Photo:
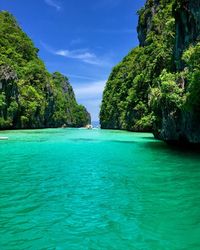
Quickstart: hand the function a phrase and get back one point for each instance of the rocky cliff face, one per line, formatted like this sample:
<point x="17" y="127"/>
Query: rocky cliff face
<point x="157" y="86"/>
<point x="125" y="102"/>
<point x="187" y="16"/>
<point x="31" y="97"/>
<point x="145" y="24"/>
<point x="9" y="98"/>
<point x="181" y="124"/>
<point x="66" y="112"/>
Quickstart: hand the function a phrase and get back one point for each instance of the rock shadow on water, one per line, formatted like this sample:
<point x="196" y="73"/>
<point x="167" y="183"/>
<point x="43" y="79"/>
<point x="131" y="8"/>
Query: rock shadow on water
<point x="185" y="150"/>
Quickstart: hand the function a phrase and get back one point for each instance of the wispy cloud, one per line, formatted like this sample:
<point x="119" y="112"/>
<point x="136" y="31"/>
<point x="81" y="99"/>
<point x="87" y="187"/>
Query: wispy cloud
<point x="81" y="77"/>
<point x="83" y="55"/>
<point x="53" y="4"/>
<point x="92" y="90"/>
<point x="90" y="95"/>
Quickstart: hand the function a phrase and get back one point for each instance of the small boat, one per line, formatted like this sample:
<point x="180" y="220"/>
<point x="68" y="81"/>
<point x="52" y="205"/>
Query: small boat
<point x="89" y="126"/>
<point x="64" y="126"/>
<point x="3" y="138"/>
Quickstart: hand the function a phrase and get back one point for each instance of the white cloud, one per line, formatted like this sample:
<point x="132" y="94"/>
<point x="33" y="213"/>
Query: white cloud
<point x="93" y="106"/>
<point x="83" y="55"/>
<point x="53" y="4"/>
<point x="93" y="90"/>
<point x="90" y="95"/>
<point x="80" y="77"/>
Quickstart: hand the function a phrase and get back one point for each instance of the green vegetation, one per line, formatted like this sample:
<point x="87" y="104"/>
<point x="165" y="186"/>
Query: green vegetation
<point x="156" y="86"/>
<point x="192" y="59"/>
<point x="125" y="102"/>
<point x="30" y="97"/>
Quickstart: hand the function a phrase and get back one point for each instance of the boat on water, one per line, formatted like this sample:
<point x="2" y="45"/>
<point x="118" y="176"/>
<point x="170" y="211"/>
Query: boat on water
<point x="89" y="126"/>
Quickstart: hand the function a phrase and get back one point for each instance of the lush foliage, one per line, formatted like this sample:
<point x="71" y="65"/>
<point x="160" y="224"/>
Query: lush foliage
<point x="125" y="102"/>
<point x="192" y="59"/>
<point x="179" y="92"/>
<point x="156" y="87"/>
<point x="30" y="97"/>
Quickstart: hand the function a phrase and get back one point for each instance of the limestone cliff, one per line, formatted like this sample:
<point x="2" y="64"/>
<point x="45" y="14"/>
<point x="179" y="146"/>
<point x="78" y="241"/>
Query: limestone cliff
<point x="125" y="102"/>
<point x="187" y="16"/>
<point x="181" y="123"/>
<point x="31" y="97"/>
<point x="157" y="86"/>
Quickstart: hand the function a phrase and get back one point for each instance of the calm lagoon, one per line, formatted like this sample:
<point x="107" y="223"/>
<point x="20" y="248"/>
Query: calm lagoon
<point x="96" y="190"/>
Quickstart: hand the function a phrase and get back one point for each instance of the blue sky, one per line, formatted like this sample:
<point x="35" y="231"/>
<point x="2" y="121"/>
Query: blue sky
<point x="82" y="39"/>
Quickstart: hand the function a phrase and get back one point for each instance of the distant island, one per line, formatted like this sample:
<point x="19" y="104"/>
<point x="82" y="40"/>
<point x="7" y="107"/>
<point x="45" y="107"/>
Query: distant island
<point x="156" y="87"/>
<point x="31" y="97"/>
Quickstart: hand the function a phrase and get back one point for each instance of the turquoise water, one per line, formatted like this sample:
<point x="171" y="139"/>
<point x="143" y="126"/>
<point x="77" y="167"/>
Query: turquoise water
<point x="96" y="190"/>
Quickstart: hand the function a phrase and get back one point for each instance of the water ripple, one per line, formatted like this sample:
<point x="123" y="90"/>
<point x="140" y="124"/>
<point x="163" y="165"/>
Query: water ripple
<point x="79" y="189"/>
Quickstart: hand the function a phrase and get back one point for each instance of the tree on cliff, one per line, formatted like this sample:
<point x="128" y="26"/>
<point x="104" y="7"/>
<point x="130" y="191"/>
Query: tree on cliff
<point x="31" y="97"/>
<point x="156" y="87"/>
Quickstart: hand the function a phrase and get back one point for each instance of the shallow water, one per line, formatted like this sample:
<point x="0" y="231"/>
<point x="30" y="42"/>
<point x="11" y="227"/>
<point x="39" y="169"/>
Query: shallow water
<point x="99" y="190"/>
